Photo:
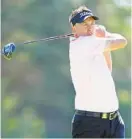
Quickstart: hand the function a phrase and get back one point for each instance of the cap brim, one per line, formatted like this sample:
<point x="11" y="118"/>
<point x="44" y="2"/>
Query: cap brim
<point x="94" y="17"/>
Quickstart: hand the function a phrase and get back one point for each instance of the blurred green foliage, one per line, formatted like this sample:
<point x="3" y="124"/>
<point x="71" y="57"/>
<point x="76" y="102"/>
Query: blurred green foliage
<point x="37" y="92"/>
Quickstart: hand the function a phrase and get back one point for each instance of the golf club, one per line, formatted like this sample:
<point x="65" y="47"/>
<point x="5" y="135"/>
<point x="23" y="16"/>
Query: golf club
<point x="9" y="48"/>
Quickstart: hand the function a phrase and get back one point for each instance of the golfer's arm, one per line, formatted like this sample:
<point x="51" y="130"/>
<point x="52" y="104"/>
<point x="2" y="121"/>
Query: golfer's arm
<point x="115" y="42"/>
<point x="108" y="59"/>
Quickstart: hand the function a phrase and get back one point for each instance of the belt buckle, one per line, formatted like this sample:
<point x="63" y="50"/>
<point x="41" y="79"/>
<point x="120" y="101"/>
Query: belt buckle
<point x="104" y="116"/>
<point x="112" y="117"/>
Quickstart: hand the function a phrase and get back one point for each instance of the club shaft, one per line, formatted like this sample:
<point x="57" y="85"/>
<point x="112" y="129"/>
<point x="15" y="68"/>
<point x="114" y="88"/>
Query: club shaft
<point x="49" y="38"/>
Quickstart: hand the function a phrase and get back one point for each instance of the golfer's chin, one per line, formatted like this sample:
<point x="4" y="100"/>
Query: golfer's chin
<point x="86" y="34"/>
<point x="89" y="32"/>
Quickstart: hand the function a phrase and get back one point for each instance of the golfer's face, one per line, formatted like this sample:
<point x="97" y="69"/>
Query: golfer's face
<point x="86" y="27"/>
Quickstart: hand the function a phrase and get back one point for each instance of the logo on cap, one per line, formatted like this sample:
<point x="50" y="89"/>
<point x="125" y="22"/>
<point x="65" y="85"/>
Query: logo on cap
<point x="84" y="14"/>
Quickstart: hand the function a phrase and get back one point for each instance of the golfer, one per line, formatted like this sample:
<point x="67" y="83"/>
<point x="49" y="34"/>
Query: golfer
<point x="96" y="103"/>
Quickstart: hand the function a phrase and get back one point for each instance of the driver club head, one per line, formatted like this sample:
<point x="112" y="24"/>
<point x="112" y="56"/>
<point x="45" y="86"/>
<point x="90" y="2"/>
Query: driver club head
<point x="8" y="50"/>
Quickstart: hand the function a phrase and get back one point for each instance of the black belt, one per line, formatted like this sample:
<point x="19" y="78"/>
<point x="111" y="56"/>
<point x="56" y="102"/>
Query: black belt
<point x="110" y="116"/>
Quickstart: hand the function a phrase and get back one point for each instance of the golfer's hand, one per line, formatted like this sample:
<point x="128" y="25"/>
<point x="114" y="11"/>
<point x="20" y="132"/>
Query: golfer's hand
<point x="100" y="31"/>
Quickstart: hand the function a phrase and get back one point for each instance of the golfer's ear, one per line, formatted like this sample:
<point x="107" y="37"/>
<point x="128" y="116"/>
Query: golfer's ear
<point x="73" y="28"/>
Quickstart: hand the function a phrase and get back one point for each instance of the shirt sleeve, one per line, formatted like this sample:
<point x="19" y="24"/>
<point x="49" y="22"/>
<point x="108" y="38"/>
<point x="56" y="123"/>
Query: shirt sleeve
<point x="105" y="43"/>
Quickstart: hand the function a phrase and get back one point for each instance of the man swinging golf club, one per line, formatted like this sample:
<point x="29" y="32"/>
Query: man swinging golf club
<point x="96" y="102"/>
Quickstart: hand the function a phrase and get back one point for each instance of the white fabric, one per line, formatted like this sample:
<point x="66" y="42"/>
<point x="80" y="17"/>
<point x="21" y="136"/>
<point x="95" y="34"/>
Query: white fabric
<point x="92" y="80"/>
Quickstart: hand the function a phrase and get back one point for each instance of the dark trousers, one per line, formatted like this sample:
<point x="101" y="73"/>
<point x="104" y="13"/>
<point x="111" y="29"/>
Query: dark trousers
<point x="96" y="127"/>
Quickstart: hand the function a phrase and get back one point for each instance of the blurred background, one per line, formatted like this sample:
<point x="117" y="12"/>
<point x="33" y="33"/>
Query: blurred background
<point x="37" y="91"/>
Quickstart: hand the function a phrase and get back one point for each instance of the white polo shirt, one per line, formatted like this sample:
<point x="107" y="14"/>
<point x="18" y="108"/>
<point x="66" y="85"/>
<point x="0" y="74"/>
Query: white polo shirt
<point x="92" y="80"/>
